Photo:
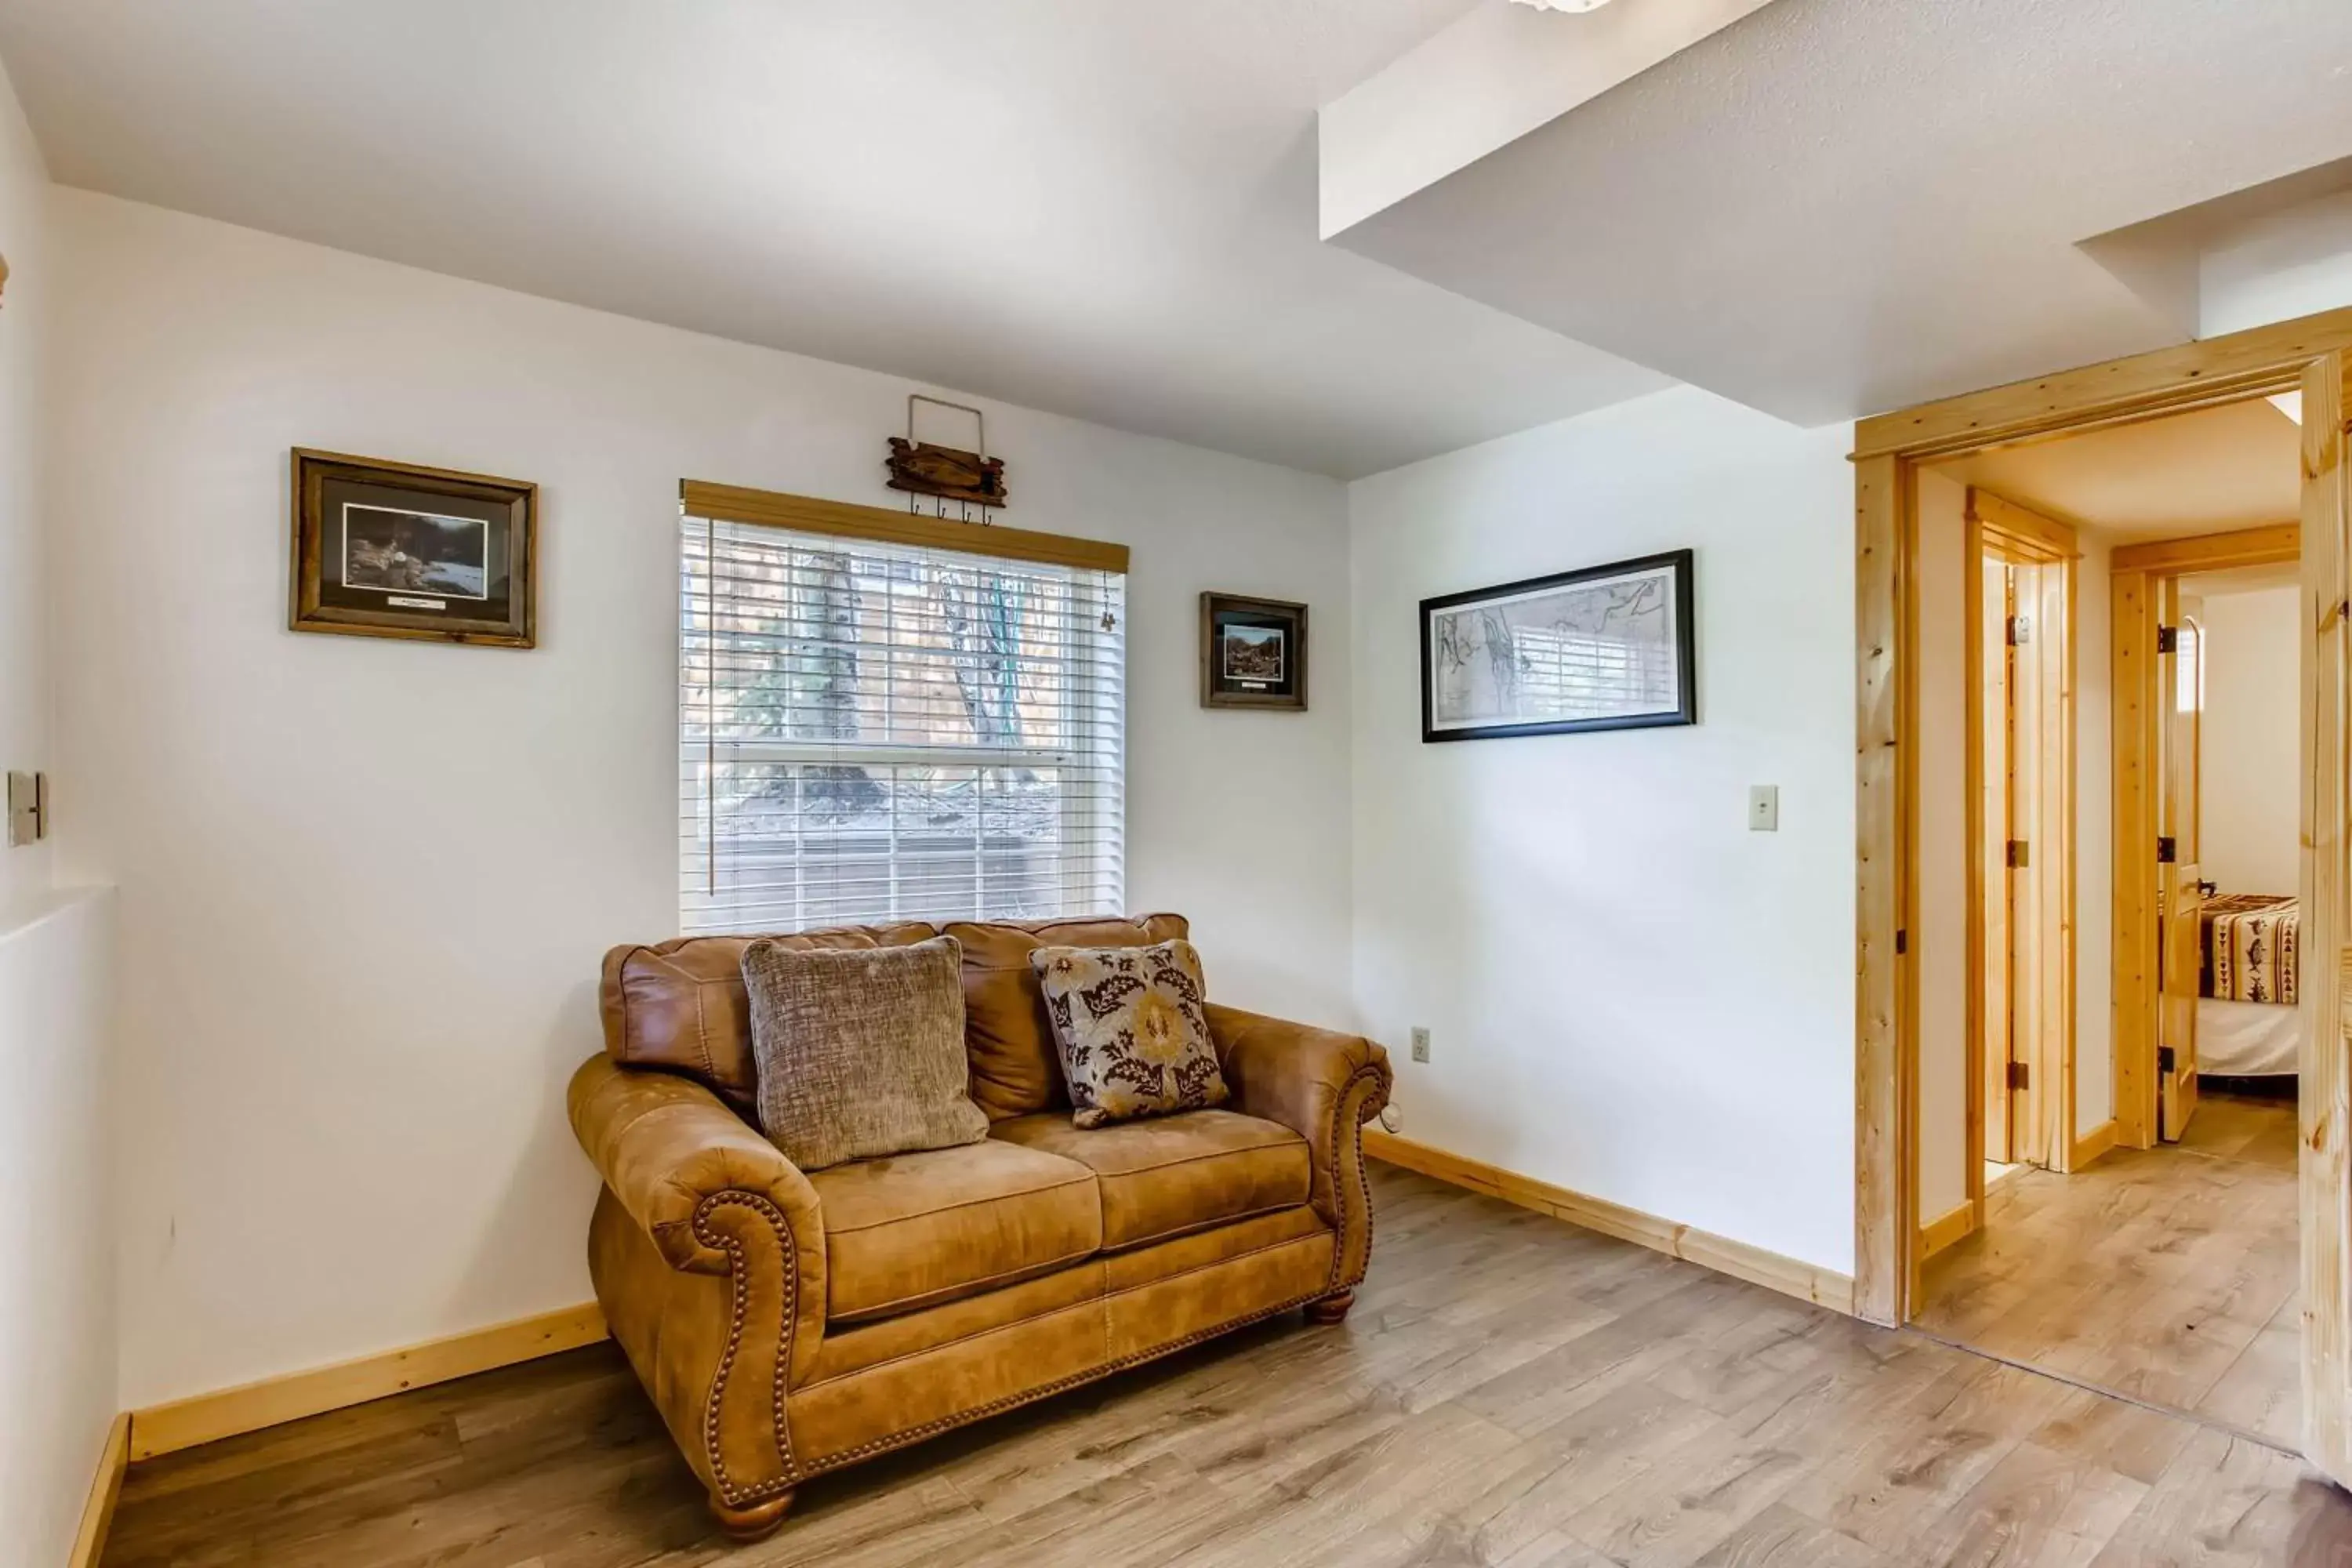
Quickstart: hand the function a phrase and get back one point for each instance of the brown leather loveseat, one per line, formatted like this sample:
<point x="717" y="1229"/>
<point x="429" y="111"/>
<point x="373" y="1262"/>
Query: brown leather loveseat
<point x="788" y="1324"/>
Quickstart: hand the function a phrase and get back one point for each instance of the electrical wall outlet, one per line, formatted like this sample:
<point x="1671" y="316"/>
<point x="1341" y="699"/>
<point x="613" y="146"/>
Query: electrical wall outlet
<point x="1420" y="1043"/>
<point x="1763" y="808"/>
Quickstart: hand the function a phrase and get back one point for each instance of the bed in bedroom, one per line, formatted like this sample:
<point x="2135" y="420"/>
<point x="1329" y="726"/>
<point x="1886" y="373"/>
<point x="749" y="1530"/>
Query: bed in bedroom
<point x="2246" y="986"/>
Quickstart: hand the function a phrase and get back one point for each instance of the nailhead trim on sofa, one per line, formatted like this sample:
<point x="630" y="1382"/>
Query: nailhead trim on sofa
<point x="1339" y="1129"/>
<point x="739" y="1275"/>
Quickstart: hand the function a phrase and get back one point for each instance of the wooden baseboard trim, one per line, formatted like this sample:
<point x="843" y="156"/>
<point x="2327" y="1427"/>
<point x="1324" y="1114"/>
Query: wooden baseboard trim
<point x="1722" y="1254"/>
<point x="206" y="1418"/>
<point x="1939" y="1233"/>
<point x="2092" y="1144"/>
<point x="97" y="1514"/>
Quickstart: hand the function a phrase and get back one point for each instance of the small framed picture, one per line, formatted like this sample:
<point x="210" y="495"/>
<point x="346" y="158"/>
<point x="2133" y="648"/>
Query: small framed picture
<point x="1608" y="647"/>
<point x="391" y="550"/>
<point x="1252" y="653"/>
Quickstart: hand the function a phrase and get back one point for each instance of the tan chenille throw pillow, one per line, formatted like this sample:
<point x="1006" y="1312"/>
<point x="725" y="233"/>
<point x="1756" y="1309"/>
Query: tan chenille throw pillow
<point x="1128" y="1024"/>
<point x="860" y="1050"/>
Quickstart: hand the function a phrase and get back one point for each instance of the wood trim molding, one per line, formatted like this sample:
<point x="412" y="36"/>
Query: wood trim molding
<point x="2054" y="1087"/>
<point x="2039" y="1130"/>
<point x="2098" y="1140"/>
<point x="206" y="1418"/>
<point x="2324" y="1067"/>
<point x="1939" y="1233"/>
<point x="2271" y="546"/>
<point x="1887" y="450"/>
<point x="1973" y="904"/>
<point x="2020" y="533"/>
<point x="105" y="1491"/>
<point x="2119" y="392"/>
<point x="1885" y="1215"/>
<point x="2140" y="579"/>
<point x="1822" y="1286"/>
<point x="2132" y="719"/>
<point x="846" y="520"/>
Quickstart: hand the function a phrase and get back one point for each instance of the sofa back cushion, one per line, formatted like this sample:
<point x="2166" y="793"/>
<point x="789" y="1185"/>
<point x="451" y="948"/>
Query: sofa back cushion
<point x="680" y="1004"/>
<point x="1016" y="1070"/>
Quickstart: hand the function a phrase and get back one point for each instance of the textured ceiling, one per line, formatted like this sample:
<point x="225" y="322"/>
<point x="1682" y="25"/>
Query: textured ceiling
<point x="1839" y="207"/>
<point x="1830" y="207"/>
<point x="1105" y="210"/>
<point x="2240" y="466"/>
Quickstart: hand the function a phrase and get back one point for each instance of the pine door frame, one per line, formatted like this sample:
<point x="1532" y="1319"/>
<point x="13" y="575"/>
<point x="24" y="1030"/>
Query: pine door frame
<point x="1888" y="451"/>
<point x="2139" y="576"/>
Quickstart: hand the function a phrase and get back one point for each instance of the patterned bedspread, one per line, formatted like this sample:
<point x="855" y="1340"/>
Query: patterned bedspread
<point x="2247" y="948"/>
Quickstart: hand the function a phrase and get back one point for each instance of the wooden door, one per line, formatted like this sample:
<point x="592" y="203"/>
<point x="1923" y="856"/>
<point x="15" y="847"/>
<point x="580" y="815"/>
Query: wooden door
<point x="2326" y="1086"/>
<point x="2180" y="683"/>
<point x="2032" y="969"/>
<point x="1997" y="718"/>
<point x="2046" y="596"/>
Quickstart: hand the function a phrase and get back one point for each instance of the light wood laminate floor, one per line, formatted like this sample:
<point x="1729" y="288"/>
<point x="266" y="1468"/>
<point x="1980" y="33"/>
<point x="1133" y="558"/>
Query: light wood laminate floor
<point x="1510" y="1393"/>
<point x="2167" y="1273"/>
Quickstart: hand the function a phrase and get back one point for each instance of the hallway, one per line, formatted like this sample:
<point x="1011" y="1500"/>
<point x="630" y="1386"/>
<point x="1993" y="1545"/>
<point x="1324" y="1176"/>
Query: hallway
<point x="2166" y="1275"/>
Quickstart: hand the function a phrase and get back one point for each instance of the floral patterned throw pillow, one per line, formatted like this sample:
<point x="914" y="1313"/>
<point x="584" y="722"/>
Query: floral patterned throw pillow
<point x="1128" y="1024"/>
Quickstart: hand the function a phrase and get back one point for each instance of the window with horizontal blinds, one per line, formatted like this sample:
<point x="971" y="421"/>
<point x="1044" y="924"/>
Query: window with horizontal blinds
<point x="875" y="729"/>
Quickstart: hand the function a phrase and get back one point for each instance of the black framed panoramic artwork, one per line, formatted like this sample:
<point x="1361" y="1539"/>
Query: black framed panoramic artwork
<point x="1252" y="653"/>
<point x="392" y="550"/>
<point x="1608" y="647"/>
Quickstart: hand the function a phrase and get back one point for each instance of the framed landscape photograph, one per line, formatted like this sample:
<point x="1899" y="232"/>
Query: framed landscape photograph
<point x="1608" y="647"/>
<point x="392" y="549"/>
<point x="1252" y="653"/>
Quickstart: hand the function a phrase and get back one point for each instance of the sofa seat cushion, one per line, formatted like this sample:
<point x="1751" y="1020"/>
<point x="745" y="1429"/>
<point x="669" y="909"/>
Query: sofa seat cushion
<point x="1171" y="1174"/>
<point x="914" y="1230"/>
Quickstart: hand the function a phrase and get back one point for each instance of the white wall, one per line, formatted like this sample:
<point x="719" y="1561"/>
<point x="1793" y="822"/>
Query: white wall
<point x="58" y="1371"/>
<point x="1631" y="994"/>
<point x="2294" y="262"/>
<point x="24" y="311"/>
<point x="2252" y="741"/>
<point x="345" y="1041"/>
<point x="57" y="1302"/>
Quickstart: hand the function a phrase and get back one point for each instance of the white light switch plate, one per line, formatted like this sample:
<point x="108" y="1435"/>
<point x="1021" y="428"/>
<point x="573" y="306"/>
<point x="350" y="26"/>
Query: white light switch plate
<point x="1763" y="808"/>
<point x="28" y="808"/>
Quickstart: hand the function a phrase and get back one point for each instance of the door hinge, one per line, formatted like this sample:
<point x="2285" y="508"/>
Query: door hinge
<point x="2167" y="639"/>
<point x="2019" y="1075"/>
<point x="2019" y="856"/>
<point x="1901" y="943"/>
<point x="2167" y="850"/>
<point x="2020" y="630"/>
<point x="2164" y="1060"/>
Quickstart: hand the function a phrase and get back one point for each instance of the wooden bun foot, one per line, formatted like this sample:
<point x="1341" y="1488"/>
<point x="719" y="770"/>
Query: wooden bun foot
<point x="757" y="1522"/>
<point x="1330" y="1309"/>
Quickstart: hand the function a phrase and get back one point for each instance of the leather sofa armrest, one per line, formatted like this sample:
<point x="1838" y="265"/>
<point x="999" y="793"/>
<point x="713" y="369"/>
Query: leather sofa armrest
<point x="668" y="1147"/>
<point x="1324" y="1086"/>
<point x="714" y="1198"/>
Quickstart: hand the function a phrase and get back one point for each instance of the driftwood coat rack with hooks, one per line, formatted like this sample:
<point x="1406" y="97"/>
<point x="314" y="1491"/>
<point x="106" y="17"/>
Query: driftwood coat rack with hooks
<point x="970" y="479"/>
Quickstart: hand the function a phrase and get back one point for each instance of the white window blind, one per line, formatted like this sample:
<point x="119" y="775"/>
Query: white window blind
<point x="1592" y="672"/>
<point x="877" y="731"/>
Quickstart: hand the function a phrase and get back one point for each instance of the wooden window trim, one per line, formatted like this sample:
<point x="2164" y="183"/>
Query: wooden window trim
<point x="847" y="520"/>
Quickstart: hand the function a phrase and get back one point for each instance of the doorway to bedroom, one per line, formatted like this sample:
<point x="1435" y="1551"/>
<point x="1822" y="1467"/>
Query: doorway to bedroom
<point x="2108" y="662"/>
